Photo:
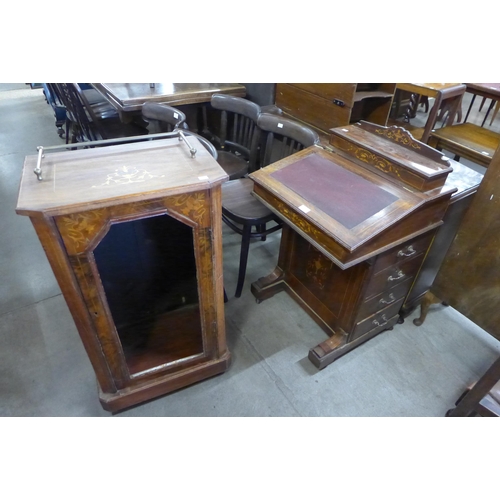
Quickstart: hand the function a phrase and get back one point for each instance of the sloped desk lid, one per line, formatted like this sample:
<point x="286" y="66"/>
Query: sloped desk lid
<point x="327" y="196"/>
<point x="98" y="177"/>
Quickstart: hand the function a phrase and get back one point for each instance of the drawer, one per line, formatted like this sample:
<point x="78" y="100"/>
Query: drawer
<point x="393" y="276"/>
<point x="381" y="320"/>
<point x="407" y="250"/>
<point x="384" y="299"/>
<point x="310" y="108"/>
<point x="342" y="91"/>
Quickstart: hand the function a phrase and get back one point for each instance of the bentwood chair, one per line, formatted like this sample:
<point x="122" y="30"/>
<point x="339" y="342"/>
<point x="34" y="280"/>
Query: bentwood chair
<point x="162" y="118"/>
<point x="236" y="133"/>
<point x="89" y="124"/>
<point x="241" y="211"/>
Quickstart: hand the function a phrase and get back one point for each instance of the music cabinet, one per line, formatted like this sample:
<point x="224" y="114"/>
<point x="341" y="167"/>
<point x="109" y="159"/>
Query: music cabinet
<point x="133" y="235"/>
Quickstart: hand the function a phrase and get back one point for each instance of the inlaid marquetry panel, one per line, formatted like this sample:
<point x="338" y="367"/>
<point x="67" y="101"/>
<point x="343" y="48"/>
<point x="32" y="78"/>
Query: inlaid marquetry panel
<point x="81" y="230"/>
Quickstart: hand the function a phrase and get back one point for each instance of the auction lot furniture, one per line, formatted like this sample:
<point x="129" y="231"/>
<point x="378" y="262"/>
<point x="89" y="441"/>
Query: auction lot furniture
<point x="449" y="94"/>
<point x="468" y="140"/>
<point x="128" y="98"/>
<point x="467" y="181"/>
<point x="328" y="105"/>
<point x="358" y="223"/>
<point x="133" y="235"/>
<point x="483" y="398"/>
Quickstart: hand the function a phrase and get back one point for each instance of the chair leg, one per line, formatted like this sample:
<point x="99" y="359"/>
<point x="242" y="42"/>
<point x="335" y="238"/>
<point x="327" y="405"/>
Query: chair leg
<point x="261" y="228"/>
<point x="245" y="245"/>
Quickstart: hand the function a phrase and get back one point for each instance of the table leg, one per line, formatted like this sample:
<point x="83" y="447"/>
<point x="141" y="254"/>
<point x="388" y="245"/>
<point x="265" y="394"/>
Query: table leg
<point x="431" y="120"/>
<point x="427" y="301"/>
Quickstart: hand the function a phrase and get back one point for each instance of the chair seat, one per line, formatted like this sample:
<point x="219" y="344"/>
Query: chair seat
<point x="467" y="140"/>
<point x="234" y="166"/>
<point x="238" y="199"/>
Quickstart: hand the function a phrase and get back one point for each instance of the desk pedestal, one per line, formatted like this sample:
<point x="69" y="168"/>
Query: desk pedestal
<point x="351" y="305"/>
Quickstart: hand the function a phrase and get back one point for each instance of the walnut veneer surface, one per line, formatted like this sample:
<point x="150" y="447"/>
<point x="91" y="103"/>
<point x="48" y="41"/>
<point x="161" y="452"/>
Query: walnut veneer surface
<point x="324" y="106"/>
<point x="128" y="98"/>
<point x="133" y="235"/>
<point x="352" y="273"/>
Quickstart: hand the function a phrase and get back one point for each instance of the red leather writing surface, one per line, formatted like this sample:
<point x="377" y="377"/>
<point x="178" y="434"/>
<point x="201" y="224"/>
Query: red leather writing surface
<point x="343" y="195"/>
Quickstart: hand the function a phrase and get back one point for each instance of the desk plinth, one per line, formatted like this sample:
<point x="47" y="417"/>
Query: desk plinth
<point x="355" y="233"/>
<point x="133" y="235"/>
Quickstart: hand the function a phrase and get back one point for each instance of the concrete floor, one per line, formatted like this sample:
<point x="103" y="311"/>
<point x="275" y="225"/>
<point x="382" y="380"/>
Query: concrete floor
<point x="44" y="370"/>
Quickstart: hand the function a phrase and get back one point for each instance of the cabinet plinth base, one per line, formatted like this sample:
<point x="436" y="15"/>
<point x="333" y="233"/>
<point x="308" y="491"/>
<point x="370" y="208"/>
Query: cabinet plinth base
<point x="161" y="386"/>
<point x="267" y="286"/>
<point x="336" y="346"/>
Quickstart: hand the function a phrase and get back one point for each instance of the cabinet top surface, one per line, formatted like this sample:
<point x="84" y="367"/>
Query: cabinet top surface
<point x="91" y="178"/>
<point x="131" y="95"/>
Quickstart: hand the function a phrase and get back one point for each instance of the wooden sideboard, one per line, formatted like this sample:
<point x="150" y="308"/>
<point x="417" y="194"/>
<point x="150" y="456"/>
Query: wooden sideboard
<point x="469" y="279"/>
<point x="467" y="181"/>
<point x="133" y="235"/>
<point x="328" y="105"/>
<point x="358" y="222"/>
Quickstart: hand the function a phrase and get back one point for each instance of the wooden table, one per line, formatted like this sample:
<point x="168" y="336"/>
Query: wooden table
<point x="128" y="98"/>
<point x="486" y="90"/>
<point x="451" y="92"/>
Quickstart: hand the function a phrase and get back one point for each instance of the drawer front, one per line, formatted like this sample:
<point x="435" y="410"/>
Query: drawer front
<point x="384" y="299"/>
<point x="406" y="251"/>
<point x="393" y="276"/>
<point x="339" y="91"/>
<point x="381" y="320"/>
<point x="310" y="108"/>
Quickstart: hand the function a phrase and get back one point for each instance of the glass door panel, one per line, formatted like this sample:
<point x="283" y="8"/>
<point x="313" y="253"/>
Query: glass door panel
<point x="148" y="271"/>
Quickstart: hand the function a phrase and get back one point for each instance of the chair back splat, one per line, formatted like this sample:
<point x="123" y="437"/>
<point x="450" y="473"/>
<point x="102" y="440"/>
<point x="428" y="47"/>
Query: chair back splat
<point x="164" y="118"/>
<point x="238" y="135"/>
<point x="241" y="211"/>
<point x="92" y="122"/>
<point x="283" y="137"/>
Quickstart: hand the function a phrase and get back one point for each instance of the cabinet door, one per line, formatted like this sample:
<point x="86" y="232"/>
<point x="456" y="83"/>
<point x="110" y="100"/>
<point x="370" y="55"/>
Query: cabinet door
<point x="145" y="271"/>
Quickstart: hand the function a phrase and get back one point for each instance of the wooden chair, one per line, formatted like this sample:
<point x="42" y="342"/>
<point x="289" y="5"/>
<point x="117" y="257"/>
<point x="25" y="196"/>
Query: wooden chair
<point x="88" y="123"/>
<point x="162" y="118"/>
<point x="467" y="140"/>
<point x="234" y="138"/>
<point x="57" y="105"/>
<point x="241" y="211"/>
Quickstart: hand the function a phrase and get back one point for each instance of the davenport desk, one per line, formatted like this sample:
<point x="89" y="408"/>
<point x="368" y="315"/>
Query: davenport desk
<point x="133" y="235"/>
<point x="358" y="223"/>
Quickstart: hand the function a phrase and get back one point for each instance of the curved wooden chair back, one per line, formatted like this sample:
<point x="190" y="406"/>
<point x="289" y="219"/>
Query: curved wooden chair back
<point x="238" y="133"/>
<point x="283" y="137"/>
<point x="163" y="118"/>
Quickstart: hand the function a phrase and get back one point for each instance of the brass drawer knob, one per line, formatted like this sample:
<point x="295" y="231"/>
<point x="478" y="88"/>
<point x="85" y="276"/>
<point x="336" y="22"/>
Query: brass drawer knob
<point x="376" y="322"/>
<point x="387" y="302"/>
<point x="407" y="252"/>
<point x="400" y="274"/>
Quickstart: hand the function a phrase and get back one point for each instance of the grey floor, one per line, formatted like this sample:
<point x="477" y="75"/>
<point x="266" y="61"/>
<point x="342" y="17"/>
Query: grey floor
<point x="44" y="371"/>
